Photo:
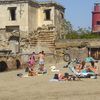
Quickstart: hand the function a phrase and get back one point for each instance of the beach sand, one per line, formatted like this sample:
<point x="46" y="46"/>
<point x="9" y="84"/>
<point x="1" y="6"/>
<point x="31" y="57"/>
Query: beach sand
<point x="40" y="87"/>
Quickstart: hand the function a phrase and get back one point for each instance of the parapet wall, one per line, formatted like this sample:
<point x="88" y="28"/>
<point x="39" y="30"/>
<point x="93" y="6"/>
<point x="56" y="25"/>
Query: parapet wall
<point x="77" y="42"/>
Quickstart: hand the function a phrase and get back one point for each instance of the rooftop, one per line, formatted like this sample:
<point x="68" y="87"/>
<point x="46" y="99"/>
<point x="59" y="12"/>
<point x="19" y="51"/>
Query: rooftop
<point x="18" y="1"/>
<point x="51" y="3"/>
<point x="48" y="3"/>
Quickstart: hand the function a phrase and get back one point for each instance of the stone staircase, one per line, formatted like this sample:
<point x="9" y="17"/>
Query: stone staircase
<point x="46" y="39"/>
<point x="43" y="39"/>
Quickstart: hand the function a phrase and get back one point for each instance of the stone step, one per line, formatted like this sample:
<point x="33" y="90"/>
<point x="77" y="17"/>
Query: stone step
<point x="46" y="41"/>
<point x="46" y="37"/>
<point x="46" y="34"/>
<point x="39" y="41"/>
<point x="33" y="41"/>
<point x="43" y="43"/>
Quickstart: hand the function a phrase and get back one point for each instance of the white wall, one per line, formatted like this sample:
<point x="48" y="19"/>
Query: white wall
<point x="58" y="22"/>
<point x="41" y="16"/>
<point x="32" y="18"/>
<point x="21" y="18"/>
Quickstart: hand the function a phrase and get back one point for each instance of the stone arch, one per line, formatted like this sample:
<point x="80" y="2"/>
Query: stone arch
<point x="3" y="66"/>
<point x="18" y="63"/>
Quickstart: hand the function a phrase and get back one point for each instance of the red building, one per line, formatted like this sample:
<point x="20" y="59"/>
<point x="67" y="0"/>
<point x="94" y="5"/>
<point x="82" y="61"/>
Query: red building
<point x="96" y="18"/>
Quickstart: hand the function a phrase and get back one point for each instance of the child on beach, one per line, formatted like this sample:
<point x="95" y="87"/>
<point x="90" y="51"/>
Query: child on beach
<point x="31" y="65"/>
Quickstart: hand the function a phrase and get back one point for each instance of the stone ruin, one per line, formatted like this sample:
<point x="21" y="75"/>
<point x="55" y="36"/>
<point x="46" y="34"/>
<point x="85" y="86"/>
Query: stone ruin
<point x="18" y="45"/>
<point x="42" y="39"/>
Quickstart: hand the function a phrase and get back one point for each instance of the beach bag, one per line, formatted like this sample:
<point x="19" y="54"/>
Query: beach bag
<point x="27" y="69"/>
<point x="20" y="74"/>
<point x="66" y="75"/>
<point x="56" y="76"/>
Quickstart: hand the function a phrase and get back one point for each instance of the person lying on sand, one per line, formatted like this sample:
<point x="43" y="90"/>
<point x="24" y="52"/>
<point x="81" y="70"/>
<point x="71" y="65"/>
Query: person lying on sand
<point x="64" y="77"/>
<point x="94" y="68"/>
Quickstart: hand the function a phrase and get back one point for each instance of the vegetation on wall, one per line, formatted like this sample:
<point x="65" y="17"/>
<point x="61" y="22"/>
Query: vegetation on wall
<point x="82" y="36"/>
<point x="81" y="33"/>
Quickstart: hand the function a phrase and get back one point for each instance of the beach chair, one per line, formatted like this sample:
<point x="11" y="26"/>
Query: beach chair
<point x="82" y="74"/>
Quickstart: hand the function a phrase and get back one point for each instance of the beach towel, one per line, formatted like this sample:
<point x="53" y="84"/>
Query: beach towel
<point x="89" y="59"/>
<point x="53" y="69"/>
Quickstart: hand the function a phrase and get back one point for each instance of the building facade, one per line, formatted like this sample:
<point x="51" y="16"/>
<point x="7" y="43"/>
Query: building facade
<point x="28" y="15"/>
<point x="96" y="18"/>
<point x="21" y="19"/>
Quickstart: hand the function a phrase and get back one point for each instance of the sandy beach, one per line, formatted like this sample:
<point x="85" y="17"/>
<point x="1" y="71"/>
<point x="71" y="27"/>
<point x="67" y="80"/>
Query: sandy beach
<point x="41" y="88"/>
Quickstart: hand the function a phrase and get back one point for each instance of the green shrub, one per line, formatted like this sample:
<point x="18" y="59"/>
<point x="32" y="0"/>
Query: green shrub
<point x="82" y="36"/>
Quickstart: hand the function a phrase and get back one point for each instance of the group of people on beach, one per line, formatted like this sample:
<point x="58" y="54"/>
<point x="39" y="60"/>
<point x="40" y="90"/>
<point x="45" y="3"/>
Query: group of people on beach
<point x="81" y="69"/>
<point x="87" y="68"/>
<point x="32" y="62"/>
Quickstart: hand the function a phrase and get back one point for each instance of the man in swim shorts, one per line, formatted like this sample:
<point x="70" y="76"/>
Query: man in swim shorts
<point x="41" y="58"/>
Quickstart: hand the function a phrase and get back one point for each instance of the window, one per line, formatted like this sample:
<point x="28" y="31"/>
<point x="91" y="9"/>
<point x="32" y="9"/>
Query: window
<point x="47" y="14"/>
<point x="12" y="28"/>
<point x="98" y="22"/>
<point x="12" y="11"/>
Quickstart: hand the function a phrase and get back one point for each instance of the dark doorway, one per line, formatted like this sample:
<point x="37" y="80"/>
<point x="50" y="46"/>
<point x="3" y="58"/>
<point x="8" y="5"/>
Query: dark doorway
<point x="95" y="53"/>
<point x="3" y="66"/>
<point x="18" y="64"/>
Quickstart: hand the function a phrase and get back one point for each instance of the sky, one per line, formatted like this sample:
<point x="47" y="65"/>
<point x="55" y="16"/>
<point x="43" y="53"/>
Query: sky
<point x="78" y="12"/>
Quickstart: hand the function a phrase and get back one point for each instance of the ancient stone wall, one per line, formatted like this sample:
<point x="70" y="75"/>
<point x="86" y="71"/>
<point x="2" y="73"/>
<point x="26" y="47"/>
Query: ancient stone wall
<point x="77" y="48"/>
<point x="42" y="39"/>
<point x="4" y="39"/>
<point x="9" y="62"/>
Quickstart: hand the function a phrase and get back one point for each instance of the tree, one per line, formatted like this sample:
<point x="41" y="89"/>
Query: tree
<point x="66" y="28"/>
<point x="83" y="30"/>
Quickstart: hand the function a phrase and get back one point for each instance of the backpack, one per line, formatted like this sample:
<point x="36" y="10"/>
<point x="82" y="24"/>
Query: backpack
<point x="56" y="76"/>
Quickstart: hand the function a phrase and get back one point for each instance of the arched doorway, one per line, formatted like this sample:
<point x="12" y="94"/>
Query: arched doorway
<point x="3" y="66"/>
<point x="18" y="64"/>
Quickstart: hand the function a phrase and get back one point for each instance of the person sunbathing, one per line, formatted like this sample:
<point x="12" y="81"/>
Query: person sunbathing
<point x="32" y="72"/>
<point x="85" y="72"/>
<point x="65" y="76"/>
<point x="93" y="68"/>
<point x="60" y="77"/>
<point x="80" y="66"/>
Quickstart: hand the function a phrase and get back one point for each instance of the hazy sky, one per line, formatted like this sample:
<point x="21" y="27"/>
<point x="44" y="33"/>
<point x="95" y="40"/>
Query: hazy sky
<point x="78" y="12"/>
